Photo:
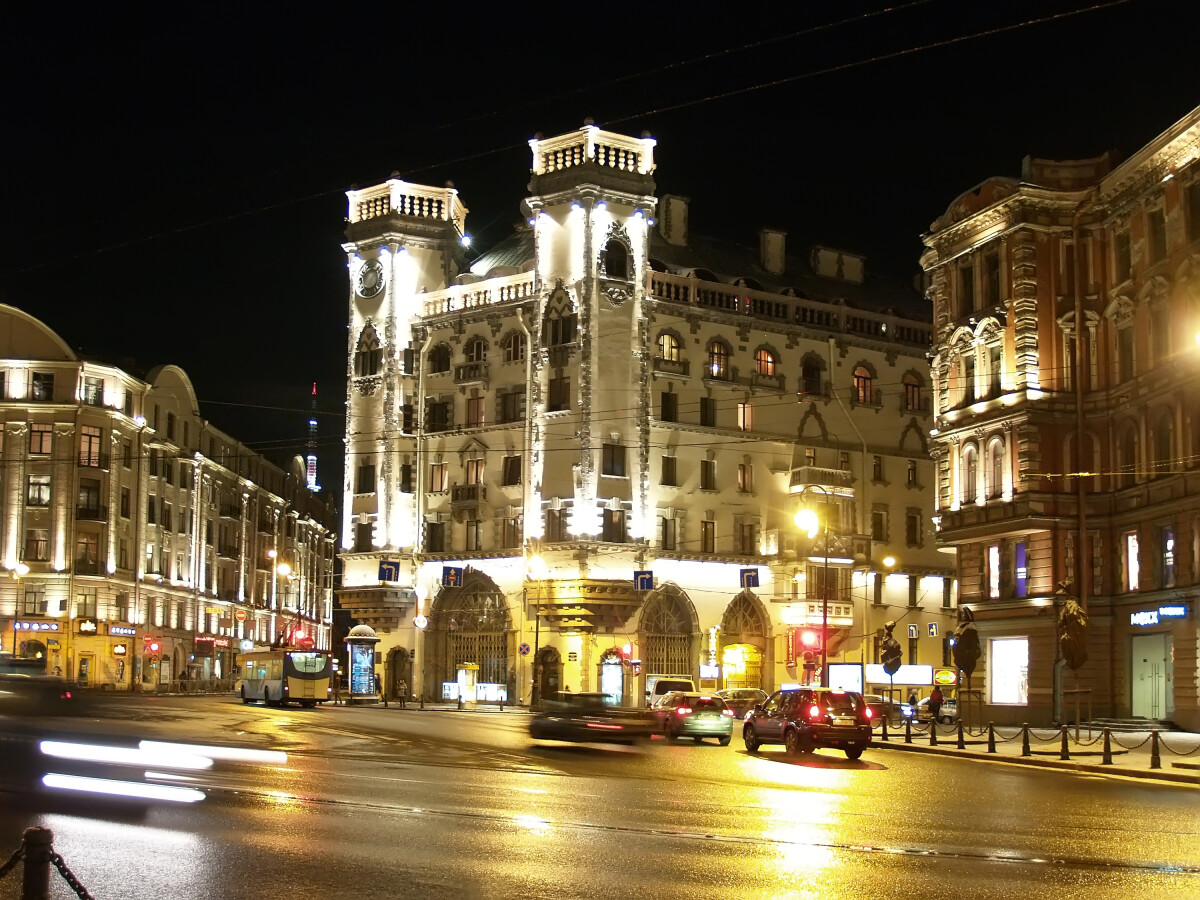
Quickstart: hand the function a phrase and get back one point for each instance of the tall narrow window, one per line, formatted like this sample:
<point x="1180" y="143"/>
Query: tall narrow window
<point x="1156" y="235"/>
<point x="365" y="480"/>
<point x="996" y="479"/>
<point x="1122" y="258"/>
<point x="708" y="536"/>
<point x="668" y="410"/>
<point x="512" y="471"/>
<point x="560" y="394"/>
<point x="1132" y="563"/>
<point x="708" y="475"/>
<point x="612" y="526"/>
<point x="745" y="416"/>
<point x="991" y="272"/>
<point x="877" y="468"/>
<point x="669" y="476"/>
<point x="862" y="386"/>
<point x="968" y="375"/>
<point x="764" y="361"/>
<point x="718" y="360"/>
<point x="970" y="470"/>
<point x="476" y="350"/>
<point x="746" y="478"/>
<point x="912" y="473"/>
<point x="966" y="288"/>
<point x="670" y="535"/>
<point x="474" y="535"/>
<point x="613" y="460"/>
<point x="912" y="393"/>
<point x="475" y="416"/>
<point x="615" y="260"/>
<point x="439" y="359"/>
<point x="708" y="412"/>
<point x="439" y="474"/>
<point x="1125" y="353"/>
<point x="992" y="571"/>
<point x="475" y="469"/>
<point x="40" y="438"/>
<point x="514" y="348"/>
<point x="1021" y="567"/>
<point x="1168" y="557"/>
<point x="368" y="357"/>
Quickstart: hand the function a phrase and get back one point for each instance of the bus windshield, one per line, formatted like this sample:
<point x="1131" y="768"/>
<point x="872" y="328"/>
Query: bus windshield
<point x="306" y="663"/>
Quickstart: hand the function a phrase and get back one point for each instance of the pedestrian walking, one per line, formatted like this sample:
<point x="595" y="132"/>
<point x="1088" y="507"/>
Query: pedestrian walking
<point x="378" y="685"/>
<point x="402" y="692"/>
<point x="935" y="702"/>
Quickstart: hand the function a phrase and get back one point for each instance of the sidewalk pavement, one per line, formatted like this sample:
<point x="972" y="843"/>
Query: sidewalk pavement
<point x="1132" y="752"/>
<point x="1172" y="756"/>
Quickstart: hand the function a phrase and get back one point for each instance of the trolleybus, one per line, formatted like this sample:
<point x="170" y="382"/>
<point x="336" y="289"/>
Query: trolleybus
<point x="285" y="675"/>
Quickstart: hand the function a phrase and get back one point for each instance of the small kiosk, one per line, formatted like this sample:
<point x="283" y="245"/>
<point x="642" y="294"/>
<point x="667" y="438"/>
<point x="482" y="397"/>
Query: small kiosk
<point x="360" y="648"/>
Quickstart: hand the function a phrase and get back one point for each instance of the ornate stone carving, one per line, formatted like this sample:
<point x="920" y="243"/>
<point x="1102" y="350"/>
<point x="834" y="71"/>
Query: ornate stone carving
<point x="367" y="385"/>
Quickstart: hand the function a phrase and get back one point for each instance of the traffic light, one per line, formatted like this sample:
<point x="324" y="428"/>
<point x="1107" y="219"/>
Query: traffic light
<point x="810" y="643"/>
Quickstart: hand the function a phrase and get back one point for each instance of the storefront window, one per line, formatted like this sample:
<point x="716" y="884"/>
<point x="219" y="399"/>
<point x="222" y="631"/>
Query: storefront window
<point x="1008" y="670"/>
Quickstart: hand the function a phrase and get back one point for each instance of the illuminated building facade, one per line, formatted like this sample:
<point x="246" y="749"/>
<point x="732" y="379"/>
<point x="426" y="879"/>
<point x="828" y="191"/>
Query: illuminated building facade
<point x="604" y="394"/>
<point x="141" y="544"/>
<point x="1067" y="392"/>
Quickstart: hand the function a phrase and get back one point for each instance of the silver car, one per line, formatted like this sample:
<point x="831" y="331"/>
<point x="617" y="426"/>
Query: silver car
<point x="741" y="700"/>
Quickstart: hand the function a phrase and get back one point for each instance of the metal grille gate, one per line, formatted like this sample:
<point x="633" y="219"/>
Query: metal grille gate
<point x="667" y="636"/>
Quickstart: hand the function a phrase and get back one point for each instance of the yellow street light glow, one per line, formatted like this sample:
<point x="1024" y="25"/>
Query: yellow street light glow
<point x="283" y="569"/>
<point x="808" y="522"/>
<point x="537" y="568"/>
<point x="889" y="561"/>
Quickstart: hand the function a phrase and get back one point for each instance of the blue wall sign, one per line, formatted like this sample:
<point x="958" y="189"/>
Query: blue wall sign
<point x="389" y="570"/>
<point x="749" y="578"/>
<point x="452" y="576"/>
<point x="643" y="580"/>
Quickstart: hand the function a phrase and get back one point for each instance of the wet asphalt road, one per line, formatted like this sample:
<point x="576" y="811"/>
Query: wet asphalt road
<point x="391" y="803"/>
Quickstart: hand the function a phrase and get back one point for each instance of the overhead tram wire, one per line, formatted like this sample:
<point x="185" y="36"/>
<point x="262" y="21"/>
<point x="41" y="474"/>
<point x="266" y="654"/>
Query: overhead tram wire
<point x="317" y="195"/>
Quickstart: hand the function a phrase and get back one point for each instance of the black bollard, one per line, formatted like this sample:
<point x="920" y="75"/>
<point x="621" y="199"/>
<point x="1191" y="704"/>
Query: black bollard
<point x="1065" y="752"/>
<point x="1106" y="760"/>
<point x="883" y="736"/>
<point x="908" y="731"/>
<point x="962" y="744"/>
<point x="991" y="737"/>
<point x="1155" y="762"/>
<point x="1025" y="740"/>
<point x="932" y="733"/>
<point x="38" y="846"/>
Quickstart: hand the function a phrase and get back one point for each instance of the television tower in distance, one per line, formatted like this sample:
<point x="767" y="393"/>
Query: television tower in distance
<point x="311" y="458"/>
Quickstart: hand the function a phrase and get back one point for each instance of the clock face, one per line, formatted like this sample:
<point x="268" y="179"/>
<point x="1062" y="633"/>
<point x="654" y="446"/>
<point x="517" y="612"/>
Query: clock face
<point x="370" y="278"/>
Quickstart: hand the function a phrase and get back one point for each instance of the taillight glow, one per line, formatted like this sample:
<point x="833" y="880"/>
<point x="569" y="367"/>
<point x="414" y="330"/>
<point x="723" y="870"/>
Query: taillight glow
<point x="814" y="712"/>
<point x="683" y="711"/>
<point x="868" y="713"/>
<point x="727" y="712"/>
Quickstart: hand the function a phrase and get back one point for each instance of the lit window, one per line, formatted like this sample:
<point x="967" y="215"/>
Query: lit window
<point x="862" y="385"/>
<point x="764" y="362"/>
<point x="1132" y="564"/>
<point x="912" y="393"/>
<point x="475" y="471"/>
<point x="718" y="360"/>
<point x="668" y="347"/>
<point x="993" y="571"/>
<point x="745" y="417"/>
<point x="746" y="478"/>
<point x="1008" y="671"/>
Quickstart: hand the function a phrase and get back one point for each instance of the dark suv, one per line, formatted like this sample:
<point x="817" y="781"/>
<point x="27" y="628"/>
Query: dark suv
<point x="806" y="718"/>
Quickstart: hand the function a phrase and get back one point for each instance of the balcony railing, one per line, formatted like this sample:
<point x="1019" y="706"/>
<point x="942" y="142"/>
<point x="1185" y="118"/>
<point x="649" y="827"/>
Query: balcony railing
<point x="809" y="476"/>
<point x="93" y="460"/>
<point x="469" y="373"/>
<point x="91" y="513"/>
<point x="467" y="494"/>
<point x="671" y="366"/>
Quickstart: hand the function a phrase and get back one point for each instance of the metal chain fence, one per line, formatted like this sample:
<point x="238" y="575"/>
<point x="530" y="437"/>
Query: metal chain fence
<point x="37" y="851"/>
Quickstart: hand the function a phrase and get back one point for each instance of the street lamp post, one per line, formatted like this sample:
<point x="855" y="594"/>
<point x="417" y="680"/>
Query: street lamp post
<point x="536" y="571"/>
<point x="807" y="520"/>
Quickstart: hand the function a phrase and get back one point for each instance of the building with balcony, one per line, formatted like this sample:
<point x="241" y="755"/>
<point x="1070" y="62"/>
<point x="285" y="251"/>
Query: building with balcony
<point x="1066" y="378"/>
<point x="603" y="394"/>
<point x="128" y="521"/>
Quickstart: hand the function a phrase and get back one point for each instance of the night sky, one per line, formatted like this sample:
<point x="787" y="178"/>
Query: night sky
<point x="174" y="177"/>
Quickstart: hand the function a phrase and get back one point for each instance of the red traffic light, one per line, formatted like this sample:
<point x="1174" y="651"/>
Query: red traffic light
<point x="810" y="639"/>
<point x="152" y="647"/>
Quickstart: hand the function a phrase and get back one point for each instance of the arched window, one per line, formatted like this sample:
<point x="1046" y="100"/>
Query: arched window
<point x="970" y="474"/>
<point x="668" y="347"/>
<point x="862" y="385"/>
<point x="764" y="361"/>
<point x="368" y="357"/>
<point x="616" y="260"/>
<point x="996" y="470"/>
<point x="439" y="359"/>
<point x="718" y="360"/>
<point x="514" y="348"/>
<point x="912" y="392"/>
<point x="476" y="350"/>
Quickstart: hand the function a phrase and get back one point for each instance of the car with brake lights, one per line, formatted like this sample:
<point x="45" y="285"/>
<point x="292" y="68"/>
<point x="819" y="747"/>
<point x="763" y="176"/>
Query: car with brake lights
<point x="741" y="700"/>
<point x="803" y="719"/>
<point x="697" y="716"/>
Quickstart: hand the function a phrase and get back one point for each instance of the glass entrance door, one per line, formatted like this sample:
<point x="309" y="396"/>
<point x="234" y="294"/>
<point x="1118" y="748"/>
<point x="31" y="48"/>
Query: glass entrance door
<point x="1150" y="675"/>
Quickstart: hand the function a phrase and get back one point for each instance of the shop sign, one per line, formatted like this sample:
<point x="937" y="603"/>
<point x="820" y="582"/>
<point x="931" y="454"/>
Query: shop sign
<point x="212" y="640"/>
<point x="120" y="649"/>
<point x="122" y="630"/>
<point x="87" y="625"/>
<point x="1149" y="617"/>
<point x="945" y="677"/>
<point x="20" y="625"/>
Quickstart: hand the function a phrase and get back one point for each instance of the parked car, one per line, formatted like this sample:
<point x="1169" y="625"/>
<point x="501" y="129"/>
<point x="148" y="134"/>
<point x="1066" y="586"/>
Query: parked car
<point x="881" y="707"/>
<point x="803" y="719"/>
<point x="697" y="716"/>
<point x="658" y="686"/>
<point x="588" y="717"/>
<point x="947" y="715"/>
<point x="741" y="700"/>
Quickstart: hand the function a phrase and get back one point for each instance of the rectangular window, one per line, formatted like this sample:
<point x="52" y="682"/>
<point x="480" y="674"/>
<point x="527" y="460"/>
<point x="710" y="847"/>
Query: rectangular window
<point x="42" y="387"/>
<point x="913" y="648"/>
<point x="511" y="473"/>
<point x="669" y="476"/>
<point x="511" y="404"/>
<point x="912" y="473"/>
<point x="745" y="417"/>
<point x="879" y="527"/>
<point x="1122" y="257"/>
<point x="991" y="565"/>
<point x="170" y="426"/>
<point x="1021" y="567"/>
<point x="912" y="528"/>
<point x="810" y="456"/>
<point x="474" y="535"/>
<point x="613" y="462"/>
<point x="93" y="390"/>
<point x="475" y="412"/>
<point x="40" y="438"/>
<point x="1168" y="557"/>
<point x="914" y="582"/>
<point x="560" y="394"/>
<point x="556" y="525"/>
<point x="475" y="469"/>
<point x="1132" y="563"/>
<point x="34" y="602"/>
<point x="406" y="478"/>
<point x="1008" y="671"/>
<point x="748" y="539"/>
<point x="708" y="412"/>
<point x="966" y="289"/>
<point x="708" y="475"/>
<point x="37" y="545"/>
<point x="37" y="491"/>
<point x="87" y="557"/>
<point x="877" y="468"/>
<point x="670" y="534"/>
<point x="127" y="454"/>
<point x="437" y="416"/>
<point x="746" y="478"/>
<point x="439" y="474"/>
<point x="407" y="419"/>
<point x="510" y="533"/>
<point x="1125" y="353"/>
<point x="1160" y="333"/>
<point x="612" y="527"/>
<point x="364" y="481"/>
<point x="668" y="410"/>
<point x="991" y="274"/>
<point x="435" y="537"/>
<point x="363" y="533"/>
<point x="708" y="536"/>
<point x="1156" y="235"/>
<point x="844" y="461"/>
<point x="123" y="554"/>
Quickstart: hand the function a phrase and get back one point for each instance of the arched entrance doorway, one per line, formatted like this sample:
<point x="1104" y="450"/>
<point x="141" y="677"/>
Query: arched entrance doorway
<point x="469" y="624"/>
<point x="612" y="676"/>
<point x="669" y="633"/>
<point x="744" y="643"/>
<point x="549" y="675"/>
